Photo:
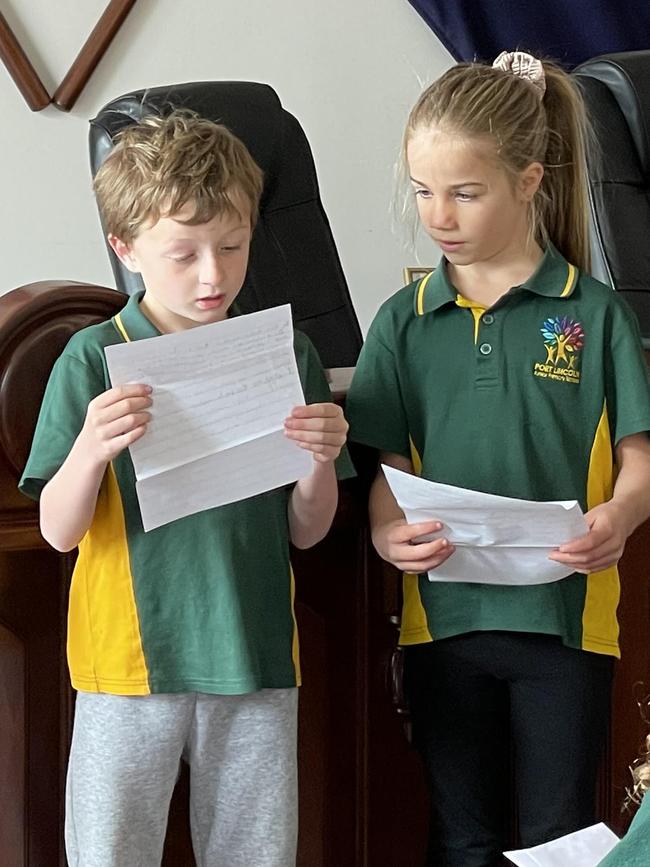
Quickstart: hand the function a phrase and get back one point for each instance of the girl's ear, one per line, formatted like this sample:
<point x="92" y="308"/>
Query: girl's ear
<point x="529" y="181"/>
<point x="124" y="253"/>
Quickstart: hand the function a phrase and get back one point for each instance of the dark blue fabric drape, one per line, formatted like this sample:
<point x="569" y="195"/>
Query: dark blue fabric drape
<point x="569" y="31"/>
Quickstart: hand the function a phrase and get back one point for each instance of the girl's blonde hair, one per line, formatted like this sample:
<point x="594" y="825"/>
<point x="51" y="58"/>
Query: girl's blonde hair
<point x="640" y="771"/>
<point x="163" y="163"/>
<point x="474" y="101"/>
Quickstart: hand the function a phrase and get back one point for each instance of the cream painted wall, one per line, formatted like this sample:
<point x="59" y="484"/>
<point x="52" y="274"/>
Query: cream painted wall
<point x="348" y="69"/>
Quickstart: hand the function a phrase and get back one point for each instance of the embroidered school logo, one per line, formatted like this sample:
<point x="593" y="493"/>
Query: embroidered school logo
<point x="563" y="341"/>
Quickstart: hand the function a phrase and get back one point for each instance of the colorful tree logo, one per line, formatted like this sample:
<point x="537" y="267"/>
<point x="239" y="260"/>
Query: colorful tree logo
<point x="563" y="339"/>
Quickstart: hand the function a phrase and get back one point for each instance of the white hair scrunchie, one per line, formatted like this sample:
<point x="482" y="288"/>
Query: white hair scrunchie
<point x="524" y="66"/>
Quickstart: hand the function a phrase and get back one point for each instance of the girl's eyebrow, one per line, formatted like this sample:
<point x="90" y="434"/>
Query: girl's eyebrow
<point x="453" y="186"/>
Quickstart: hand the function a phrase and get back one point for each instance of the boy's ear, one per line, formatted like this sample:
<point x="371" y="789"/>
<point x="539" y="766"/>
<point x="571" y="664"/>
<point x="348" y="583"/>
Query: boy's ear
<point x="124" y="252"/>
<point x="530" y="180"/>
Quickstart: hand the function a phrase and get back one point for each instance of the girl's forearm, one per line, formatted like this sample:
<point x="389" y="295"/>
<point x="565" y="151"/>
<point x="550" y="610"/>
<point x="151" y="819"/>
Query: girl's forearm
<point x="632" y="487"/>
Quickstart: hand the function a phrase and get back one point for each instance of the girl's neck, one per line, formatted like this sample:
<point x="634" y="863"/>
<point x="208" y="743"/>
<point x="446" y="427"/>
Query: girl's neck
<point x="485" y="282"/>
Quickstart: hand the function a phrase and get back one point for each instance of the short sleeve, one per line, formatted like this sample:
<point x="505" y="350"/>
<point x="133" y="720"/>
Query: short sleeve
<point x="316" y="390"/>
<point x="71" y="387"/>
<point x="626" y="375"/>
<point x="375" y="408"/>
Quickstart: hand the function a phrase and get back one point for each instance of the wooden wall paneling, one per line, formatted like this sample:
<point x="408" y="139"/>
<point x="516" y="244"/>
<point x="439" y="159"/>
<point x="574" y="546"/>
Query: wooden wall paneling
<point x="35" y="716"/>
<point x="631" y="680"/>
<point x="12" y="746"/>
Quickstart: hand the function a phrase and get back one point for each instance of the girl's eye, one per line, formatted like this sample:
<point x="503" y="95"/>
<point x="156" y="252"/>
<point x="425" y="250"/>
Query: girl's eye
<point x="231" y="249"/>
<point x="464" y="197"/>
<point x="421" y="193"/>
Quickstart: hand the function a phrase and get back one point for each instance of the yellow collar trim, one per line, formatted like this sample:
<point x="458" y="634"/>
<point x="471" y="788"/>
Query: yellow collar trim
<point x="419" y="303"/>
<point x="117" y="319"/>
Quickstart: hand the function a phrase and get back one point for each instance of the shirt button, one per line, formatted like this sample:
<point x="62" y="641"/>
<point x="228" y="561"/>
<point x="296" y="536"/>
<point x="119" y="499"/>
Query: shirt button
<point x="488" y="318"/>
<point x="485" y="349"/>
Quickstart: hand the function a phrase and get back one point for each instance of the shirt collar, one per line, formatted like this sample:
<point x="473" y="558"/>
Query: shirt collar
<point x="135" y="325"/>
<point x="554" y="277"/>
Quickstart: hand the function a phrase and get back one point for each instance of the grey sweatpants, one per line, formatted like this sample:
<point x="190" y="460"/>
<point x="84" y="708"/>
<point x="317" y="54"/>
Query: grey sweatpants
<point x="124" y="763"/>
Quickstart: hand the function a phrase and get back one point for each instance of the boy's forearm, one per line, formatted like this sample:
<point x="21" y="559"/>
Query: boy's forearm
<point x="312" y="505"/>
<point x="632" y="487"/>
<point x="69" y="499"/>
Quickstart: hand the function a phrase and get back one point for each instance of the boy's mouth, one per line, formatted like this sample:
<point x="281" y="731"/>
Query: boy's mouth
<point x="210" y="302"/>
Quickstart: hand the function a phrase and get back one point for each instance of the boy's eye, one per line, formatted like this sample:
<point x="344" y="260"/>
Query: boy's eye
<point x="231" y="248"/>
<point x="185" y="258"/>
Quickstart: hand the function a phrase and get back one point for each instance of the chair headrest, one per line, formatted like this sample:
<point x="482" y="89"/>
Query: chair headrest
<point x="626" y="76"/>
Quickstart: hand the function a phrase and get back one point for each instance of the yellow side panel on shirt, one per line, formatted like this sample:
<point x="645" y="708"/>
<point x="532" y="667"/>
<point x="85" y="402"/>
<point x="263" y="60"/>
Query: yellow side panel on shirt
<point x="414" y="627"/>
<point x="104" y="645"/>
<point x="599" y="623"/>
<point x="295" y="644"/>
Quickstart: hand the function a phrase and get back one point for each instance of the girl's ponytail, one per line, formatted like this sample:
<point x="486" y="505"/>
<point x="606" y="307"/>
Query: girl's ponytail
<point x="562" y="203"/>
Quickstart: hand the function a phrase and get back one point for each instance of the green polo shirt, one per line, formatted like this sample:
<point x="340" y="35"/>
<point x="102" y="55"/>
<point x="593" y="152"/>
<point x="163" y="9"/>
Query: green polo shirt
<point x="634" y="849"/>
<point x="204" y="603"/>
<point x="524" y="400"/>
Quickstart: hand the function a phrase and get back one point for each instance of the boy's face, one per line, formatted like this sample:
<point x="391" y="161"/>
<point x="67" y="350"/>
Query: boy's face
<point x="192" y="274"/>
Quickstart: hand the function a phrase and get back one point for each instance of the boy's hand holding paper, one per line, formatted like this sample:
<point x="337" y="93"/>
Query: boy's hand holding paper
<point x="221" y="394"/>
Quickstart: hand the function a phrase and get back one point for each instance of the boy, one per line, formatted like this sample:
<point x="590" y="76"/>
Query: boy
<point x="181" y="641"/>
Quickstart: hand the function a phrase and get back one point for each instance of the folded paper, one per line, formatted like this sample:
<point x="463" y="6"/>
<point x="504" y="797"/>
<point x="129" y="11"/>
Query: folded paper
<point x="498" y="540"/>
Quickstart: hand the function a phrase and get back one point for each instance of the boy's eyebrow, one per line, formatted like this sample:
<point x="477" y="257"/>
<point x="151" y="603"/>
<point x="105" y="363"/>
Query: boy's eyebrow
<point x="172" y="241"/>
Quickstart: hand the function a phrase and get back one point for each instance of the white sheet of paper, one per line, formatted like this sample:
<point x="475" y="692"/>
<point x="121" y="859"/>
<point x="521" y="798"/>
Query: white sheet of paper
<point x="585" y="848"/>
<point x="499" y="540"/>
<point x="220" y="395"/>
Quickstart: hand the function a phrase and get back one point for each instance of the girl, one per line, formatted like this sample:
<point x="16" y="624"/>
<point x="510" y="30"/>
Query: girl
<point x="507" y="370"/>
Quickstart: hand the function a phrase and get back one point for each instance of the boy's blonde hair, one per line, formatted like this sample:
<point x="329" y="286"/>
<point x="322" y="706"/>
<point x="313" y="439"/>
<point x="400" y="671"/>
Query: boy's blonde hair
<point x="163" y="163"/>
<point x="478" y="102"/>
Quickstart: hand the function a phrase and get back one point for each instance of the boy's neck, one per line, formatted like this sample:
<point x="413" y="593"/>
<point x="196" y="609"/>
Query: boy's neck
<point x="485" y="282"/>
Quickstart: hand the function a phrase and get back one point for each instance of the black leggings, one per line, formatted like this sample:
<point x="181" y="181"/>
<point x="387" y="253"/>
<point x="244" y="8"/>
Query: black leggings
<point x="475" y="700"/>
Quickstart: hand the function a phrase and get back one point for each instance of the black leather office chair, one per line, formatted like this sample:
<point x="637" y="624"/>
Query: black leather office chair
<point x="293" y="255"/>
<point x="616" y="88"/>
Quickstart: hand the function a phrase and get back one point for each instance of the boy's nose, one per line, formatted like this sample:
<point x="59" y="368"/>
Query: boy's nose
<point x="210" y="272"/>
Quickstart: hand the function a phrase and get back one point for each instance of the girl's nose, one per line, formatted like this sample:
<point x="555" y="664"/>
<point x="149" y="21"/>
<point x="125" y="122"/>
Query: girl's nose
<point x="440" y="214"/>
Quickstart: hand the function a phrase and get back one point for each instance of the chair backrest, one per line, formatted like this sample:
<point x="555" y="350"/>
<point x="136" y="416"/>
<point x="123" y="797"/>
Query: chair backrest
<point x="293" y="254"/>
<point x="616" y="88"/>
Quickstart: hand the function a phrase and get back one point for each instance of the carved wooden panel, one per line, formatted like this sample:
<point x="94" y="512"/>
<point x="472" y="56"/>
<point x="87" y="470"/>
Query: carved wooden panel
<point x="12" y="746"/>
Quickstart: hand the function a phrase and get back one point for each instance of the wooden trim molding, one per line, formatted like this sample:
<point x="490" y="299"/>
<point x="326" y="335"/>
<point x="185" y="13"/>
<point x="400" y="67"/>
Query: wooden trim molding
<point x="92" y="52"/>
<point x="20" y="69"/>
<point x="67" y="93"/>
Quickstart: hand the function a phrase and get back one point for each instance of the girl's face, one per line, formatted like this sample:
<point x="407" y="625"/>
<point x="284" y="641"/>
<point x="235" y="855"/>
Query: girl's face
<point x="467" y="203"/>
